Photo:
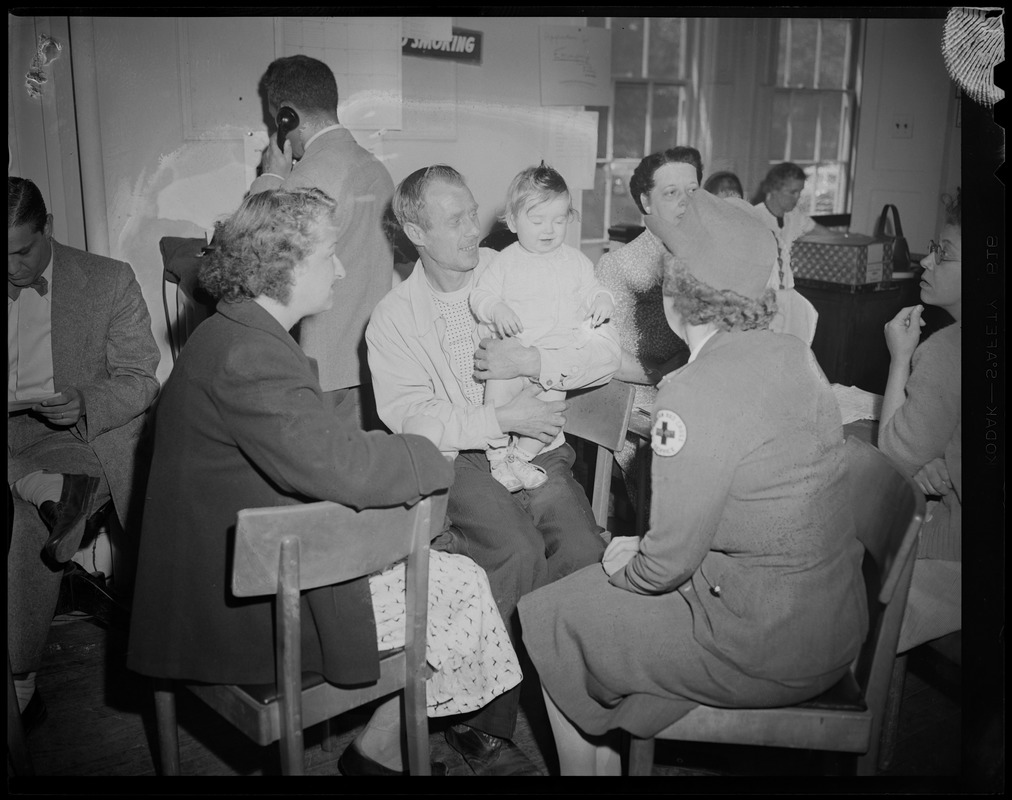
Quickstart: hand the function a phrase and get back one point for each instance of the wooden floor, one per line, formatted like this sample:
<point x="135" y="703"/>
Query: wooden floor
<point x="101" y="723"/>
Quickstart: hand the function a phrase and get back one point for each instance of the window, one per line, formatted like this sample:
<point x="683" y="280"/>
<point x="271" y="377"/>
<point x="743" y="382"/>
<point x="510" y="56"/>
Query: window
<point x="814" y="106"/>
<point x="649" y="68"/>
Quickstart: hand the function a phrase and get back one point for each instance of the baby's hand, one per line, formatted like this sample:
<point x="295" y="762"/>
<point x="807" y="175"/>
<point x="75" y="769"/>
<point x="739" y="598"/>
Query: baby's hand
<point x="506" y="321"/>
<point x="601" y="309"/>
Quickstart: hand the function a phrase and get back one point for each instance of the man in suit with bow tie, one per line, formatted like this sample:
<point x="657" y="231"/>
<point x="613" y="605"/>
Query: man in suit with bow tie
<point x="81" y="364"/>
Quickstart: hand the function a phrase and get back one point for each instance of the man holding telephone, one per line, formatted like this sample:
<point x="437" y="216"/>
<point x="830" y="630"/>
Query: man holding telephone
<point x="301" y="95"/>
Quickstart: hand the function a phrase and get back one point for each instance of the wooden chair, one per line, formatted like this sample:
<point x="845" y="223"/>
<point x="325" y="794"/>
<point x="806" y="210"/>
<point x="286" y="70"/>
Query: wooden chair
<point x="888" y="510"/>
<point x="289" y="549"/>
<point x="600" y="415"/>
<point x="19" y="759"/>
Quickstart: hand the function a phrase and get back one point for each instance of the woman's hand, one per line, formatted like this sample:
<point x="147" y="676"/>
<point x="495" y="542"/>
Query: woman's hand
<point x="933" y="478"/>
<point x="903" y="332"/>
<point x="618" y="553"/>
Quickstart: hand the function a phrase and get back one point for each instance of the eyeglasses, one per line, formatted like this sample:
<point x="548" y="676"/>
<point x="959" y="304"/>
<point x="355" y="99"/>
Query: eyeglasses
<point x="936" y="250"/>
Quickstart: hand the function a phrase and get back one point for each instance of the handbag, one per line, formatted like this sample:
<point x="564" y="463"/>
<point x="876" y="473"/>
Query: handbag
<point x="901" y="252"/>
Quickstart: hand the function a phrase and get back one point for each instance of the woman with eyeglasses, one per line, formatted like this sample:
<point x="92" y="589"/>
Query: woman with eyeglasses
<point x="920" y="427"/>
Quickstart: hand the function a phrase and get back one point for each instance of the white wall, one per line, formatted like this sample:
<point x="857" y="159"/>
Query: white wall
<point x="498" y="104"/>
<point x="905" y="76"/>
<point x="157" y="182"/>
<point x="160" y="183"/>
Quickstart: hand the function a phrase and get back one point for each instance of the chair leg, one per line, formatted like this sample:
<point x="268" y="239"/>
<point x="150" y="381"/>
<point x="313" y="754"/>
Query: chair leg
<point x="416" y="727"/>
<point x="641" y="756"/>
<point x="329" y="743"/>
<point x="19" y="759"/>
<point x="168" y="734"/>
<point x="293" y="754"/>
<point x="642" y="511"/>
<point x="891" y="714"/>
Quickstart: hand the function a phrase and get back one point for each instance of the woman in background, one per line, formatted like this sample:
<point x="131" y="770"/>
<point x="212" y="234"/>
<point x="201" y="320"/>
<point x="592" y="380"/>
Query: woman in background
<point x="777" y="208"/>
<point x="724" y="184"/>
<point x="920" y="427"/>
<point x="660" y="186"/>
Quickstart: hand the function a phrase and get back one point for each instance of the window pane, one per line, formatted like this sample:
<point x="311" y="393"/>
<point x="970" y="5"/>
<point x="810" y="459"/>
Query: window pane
<point x="664" y="122"/>
<point x="803" y="38"/>
<point x="602" y="130"/>
<point x="782" y="53"/>
<point x="595" y="22"/>
<point x="833" y="66"/>
<point x="627" y="47"/>
<point x="823" y="189"/>
<point x="592" y="217"/>
<point x="804" y="111"/>
<point x="623" y="209"/>
<point x="830" y="121"/>
<point x="665" y="52"/>
<point x="630" y="120"/>
<point x="778" y="127"/>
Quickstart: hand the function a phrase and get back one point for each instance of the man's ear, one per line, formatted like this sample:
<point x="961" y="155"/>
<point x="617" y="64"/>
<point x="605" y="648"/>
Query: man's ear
<point x="47" y="229"/>
<point x="415" y="234"/>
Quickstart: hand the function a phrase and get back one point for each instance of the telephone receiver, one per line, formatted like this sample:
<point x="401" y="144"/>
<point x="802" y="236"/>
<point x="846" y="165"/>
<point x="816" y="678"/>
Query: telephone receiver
<point x="287" y="121"/>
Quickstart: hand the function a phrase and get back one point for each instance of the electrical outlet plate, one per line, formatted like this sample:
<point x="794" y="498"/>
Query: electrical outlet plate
<point x="902" y="127"/>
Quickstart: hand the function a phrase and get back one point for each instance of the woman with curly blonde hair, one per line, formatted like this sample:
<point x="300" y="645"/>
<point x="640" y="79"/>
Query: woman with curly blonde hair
<point x="242" y="422"/>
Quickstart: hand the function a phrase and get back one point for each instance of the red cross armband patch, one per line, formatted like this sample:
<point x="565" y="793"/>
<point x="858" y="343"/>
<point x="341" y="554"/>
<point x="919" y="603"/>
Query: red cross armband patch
<point x="668" y="433"/>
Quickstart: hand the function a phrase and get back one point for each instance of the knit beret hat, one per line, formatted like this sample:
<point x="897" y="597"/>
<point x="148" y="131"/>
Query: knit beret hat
<point x="722" y="243"/>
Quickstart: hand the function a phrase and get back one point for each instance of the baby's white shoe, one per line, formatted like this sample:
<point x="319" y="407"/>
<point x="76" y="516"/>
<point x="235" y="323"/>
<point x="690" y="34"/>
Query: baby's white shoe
<point x="501" y="472"/>
<point x="530" y="475"/>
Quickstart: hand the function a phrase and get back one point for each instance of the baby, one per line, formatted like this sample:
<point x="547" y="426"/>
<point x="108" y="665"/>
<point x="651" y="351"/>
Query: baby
<point x="542" y="291"/>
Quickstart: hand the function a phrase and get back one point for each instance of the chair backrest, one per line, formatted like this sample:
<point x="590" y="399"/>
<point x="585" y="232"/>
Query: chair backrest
<point x="334" y="543"/>
<point x="288" y="549"/>
<point x="185" y="303"/>
<point x="600" y="415"/>
<point x="888" y="510"/>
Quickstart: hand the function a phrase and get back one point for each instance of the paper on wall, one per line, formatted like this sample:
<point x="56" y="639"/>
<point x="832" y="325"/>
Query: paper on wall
<point x="572" y="145"/>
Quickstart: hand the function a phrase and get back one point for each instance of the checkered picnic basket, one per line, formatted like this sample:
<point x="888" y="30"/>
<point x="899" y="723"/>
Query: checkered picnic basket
<point x="848" y="258"/>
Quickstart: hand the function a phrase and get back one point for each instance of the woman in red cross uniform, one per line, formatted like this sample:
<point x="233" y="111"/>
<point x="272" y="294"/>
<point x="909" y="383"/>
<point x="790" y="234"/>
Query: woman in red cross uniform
<point x="746" y="590"/>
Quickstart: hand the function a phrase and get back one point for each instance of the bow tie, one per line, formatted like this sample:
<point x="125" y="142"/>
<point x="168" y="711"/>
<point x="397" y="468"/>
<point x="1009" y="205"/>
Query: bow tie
<point x="41" y="285"/>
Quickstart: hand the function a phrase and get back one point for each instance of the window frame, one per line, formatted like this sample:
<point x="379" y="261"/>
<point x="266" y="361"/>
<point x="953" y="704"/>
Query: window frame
<point x="849" y="98"/>
<point x="685" y="111"/>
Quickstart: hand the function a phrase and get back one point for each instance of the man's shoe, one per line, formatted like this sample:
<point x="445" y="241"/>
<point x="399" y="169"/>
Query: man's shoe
<point x="35" y="713"/>
<point x="67" y="519"/>
<point x="489" y="755"/>
<point x="354" y="763"/>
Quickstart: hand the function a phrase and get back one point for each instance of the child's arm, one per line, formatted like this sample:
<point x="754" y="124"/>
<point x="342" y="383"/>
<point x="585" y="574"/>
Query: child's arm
<point x="600" y="302"/>
<point x="487" y="301"/>
<point x="602" y="306"/>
